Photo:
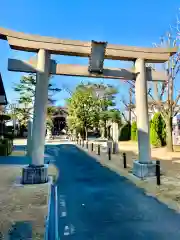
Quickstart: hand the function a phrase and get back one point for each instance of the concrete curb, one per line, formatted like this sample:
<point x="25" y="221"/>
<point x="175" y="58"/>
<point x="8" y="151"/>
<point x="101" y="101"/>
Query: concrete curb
<point x="52" y="217"/>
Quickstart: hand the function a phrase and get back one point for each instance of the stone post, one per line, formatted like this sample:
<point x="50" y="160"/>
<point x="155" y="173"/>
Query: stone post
<point x="37" y="171"/>
<point x="144" y="167"/>
<point x="115" y="132"/>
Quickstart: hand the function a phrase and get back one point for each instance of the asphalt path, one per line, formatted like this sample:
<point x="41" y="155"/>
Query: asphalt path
<point x="98" y="204"/>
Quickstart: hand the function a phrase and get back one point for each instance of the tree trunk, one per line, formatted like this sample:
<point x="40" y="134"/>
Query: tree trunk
<point x="109" y="132"/>
<point x="83" y="133"/>
<point x="169" y="141"/>
<point x="102" y="132"/>
<point x="86" y="134"/>
<point x="105" y="129"/>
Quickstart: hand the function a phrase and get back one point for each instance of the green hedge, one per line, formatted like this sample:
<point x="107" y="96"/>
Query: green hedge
<point x="157" y="131"/>
<point x="134" y="133"/>
<point x="6" y="147"/>
<point x="125" y="132"/>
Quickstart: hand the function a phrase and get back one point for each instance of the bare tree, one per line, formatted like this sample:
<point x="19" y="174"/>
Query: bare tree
<point x="130" y="105"/>
<point x="164" y="98"/>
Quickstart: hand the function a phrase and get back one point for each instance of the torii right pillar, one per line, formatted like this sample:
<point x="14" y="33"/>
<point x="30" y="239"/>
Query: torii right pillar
<point x="144" y="166"/>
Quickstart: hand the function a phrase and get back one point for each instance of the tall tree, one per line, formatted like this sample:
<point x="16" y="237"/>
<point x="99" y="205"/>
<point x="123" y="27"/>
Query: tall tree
<point x="26" y="91"/>
<point x="106" y="95"/>
<point x="83" y="110"/>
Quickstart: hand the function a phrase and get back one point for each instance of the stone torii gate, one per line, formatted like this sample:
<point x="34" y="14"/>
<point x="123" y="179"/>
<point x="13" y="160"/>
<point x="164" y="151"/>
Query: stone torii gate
<point x="96" y="52"/>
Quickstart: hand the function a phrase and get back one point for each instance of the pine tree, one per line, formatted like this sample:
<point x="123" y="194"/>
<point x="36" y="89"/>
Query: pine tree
<point x="26" y="90"/>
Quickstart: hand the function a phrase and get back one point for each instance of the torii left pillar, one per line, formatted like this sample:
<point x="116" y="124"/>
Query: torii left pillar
<point x="37" y="172"/>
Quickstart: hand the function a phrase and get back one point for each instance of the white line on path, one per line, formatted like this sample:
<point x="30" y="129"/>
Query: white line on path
<point x="62" y="208"/>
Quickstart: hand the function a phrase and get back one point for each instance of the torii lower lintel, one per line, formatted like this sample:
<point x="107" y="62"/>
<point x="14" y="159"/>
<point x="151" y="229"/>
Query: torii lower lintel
<point x="82" y="71"/>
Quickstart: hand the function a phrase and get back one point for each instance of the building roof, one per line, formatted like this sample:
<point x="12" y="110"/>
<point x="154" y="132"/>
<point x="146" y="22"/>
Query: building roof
<point x="3" y="98"/>
<point x="60" y="112"/>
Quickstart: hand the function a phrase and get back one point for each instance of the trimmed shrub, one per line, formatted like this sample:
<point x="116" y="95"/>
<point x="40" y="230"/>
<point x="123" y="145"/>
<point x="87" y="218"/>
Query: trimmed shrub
<point x="6" y="147"/>
<point x="125" y="132"/>
<point x="3" y="149"/>
<point x="157" y="131"/>
<point x="154" y="137"/>
<point x="134" y="133"/>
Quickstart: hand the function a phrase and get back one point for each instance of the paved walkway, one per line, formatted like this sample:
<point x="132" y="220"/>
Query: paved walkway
<point x="96" y="203"/>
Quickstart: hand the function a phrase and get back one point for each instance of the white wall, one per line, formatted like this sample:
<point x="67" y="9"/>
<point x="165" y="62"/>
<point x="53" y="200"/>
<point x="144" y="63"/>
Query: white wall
<point x="151" y="114"/>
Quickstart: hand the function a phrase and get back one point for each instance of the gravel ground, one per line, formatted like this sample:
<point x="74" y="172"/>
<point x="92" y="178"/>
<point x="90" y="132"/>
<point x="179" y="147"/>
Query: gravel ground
<point x="22" y="208"/>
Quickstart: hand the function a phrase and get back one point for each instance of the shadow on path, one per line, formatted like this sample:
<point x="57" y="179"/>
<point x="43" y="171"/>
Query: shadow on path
<point x="23" y="160"/>
<point x="20" y="231"/>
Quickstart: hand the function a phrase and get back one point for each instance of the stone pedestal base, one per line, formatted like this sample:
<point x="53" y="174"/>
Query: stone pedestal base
<point x="143" y="170"/>
<point x="33" y="174"/>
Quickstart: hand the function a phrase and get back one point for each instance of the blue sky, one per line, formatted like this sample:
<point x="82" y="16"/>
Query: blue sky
<point x="127" y="22"/>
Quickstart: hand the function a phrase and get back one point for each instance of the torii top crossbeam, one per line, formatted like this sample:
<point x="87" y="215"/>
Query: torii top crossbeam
<point x="32" y="43"/>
